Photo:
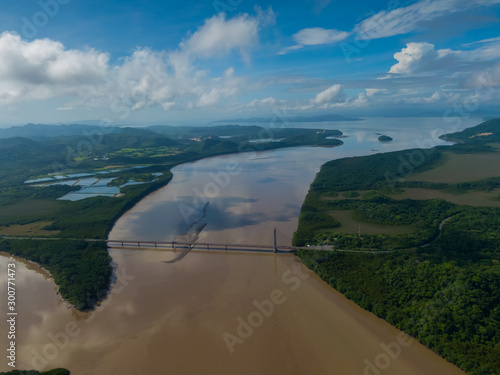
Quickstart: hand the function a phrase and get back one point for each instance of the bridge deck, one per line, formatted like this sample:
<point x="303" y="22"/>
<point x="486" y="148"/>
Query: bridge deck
<point x="198" y="245"/>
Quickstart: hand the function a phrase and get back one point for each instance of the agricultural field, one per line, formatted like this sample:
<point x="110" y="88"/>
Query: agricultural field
<point x="461" y="168"/>
<point x="146" y="152"/>
<point x="348" y="224"/>
<point x="27" y="211"/>
<point x="470" y="198"/>
<point x="30" y="230"/>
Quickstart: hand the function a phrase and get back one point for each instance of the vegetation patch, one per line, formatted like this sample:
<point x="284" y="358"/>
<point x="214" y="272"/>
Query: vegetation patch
<point x="348" y="224"/>
<point x="462" y="168"/>
<point x="57" y="371"/>
<point x="33" y="229"/>
<point x="384" y="138"/>
<point x="471" y="198"/>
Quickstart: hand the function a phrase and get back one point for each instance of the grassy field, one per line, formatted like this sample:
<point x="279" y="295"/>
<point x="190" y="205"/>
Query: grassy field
<point x="462" y="168"/>
<point x="496" y="146"/>
<point x="472" y="198"/>
<point x="32" y="229"/>
<point x="27" y="210"/>
<point x="351" y="225"/>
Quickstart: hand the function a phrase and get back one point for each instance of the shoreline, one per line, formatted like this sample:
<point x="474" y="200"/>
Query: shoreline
<point x="48" y="276"/>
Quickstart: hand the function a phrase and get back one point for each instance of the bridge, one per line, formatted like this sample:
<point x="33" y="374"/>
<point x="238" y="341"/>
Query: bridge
<point x="174" y="245"/>
<point x="186" y="247"/>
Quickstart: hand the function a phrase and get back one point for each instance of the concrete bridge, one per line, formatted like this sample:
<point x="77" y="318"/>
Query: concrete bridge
<point x="173" y="245"/>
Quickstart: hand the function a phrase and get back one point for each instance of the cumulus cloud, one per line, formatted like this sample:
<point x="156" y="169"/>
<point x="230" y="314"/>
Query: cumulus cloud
<point x="421" y="57"/>
<point x="219" y="35"/>
<point x="333" y="93"/>
<point x="424" y="58"/>
<point x="44" y="68"/>
<point x="406" y="19"/>
<point x="333" y="97"/>
<point x="219" y="88"/>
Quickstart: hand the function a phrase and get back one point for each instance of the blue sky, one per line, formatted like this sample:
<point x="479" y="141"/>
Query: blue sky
<point x="194" y="61"/>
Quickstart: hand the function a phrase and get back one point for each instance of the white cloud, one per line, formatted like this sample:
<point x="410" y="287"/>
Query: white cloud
<point x="284" y="51"/>
<point x="319" y="5"/>
<point x="219" y="88"/>
<point x="333" y="93"/>
<point x="484" y="41"/>
<point x="267" y="102"/>
<point x="434" y="98"/>
<point x="219" y="35"/>
<point x="43" y="69"/>
<point x="371" y="92"/>
<point x="419" y="57"/>
<point x="406" y="19"/>
<point x="424" y="58"/>
<point x="317" y="35"/>
<point x="485" y="78"/>
<point x="333" y="97"/>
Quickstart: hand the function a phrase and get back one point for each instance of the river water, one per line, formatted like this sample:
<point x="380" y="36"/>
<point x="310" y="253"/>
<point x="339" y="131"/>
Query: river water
<point x="221" y="313"/>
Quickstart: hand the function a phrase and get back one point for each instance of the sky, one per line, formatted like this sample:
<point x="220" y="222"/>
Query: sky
<point x="191" y="62"/>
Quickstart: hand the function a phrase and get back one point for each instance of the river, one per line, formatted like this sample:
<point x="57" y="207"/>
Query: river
<point x="218" y="313"/>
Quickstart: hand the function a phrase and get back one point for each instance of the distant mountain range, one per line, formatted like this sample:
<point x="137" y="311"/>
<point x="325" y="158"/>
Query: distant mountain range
<point x="36" y="131"/>
<point x="318" y="118"/>
<point x="41" y="130"/>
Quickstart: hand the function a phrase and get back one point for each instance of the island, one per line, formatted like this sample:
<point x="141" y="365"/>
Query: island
<point x="384" y="138"/>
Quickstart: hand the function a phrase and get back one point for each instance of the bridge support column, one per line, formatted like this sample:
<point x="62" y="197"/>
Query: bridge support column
<point x="275" y="249"/>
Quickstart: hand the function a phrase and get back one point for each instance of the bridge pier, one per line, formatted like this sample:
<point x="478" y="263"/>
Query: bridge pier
<point x="275" y="249"/>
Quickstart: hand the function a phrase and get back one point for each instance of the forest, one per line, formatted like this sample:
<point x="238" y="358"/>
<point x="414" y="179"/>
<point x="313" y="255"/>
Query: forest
<point x="81" y="269"/>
